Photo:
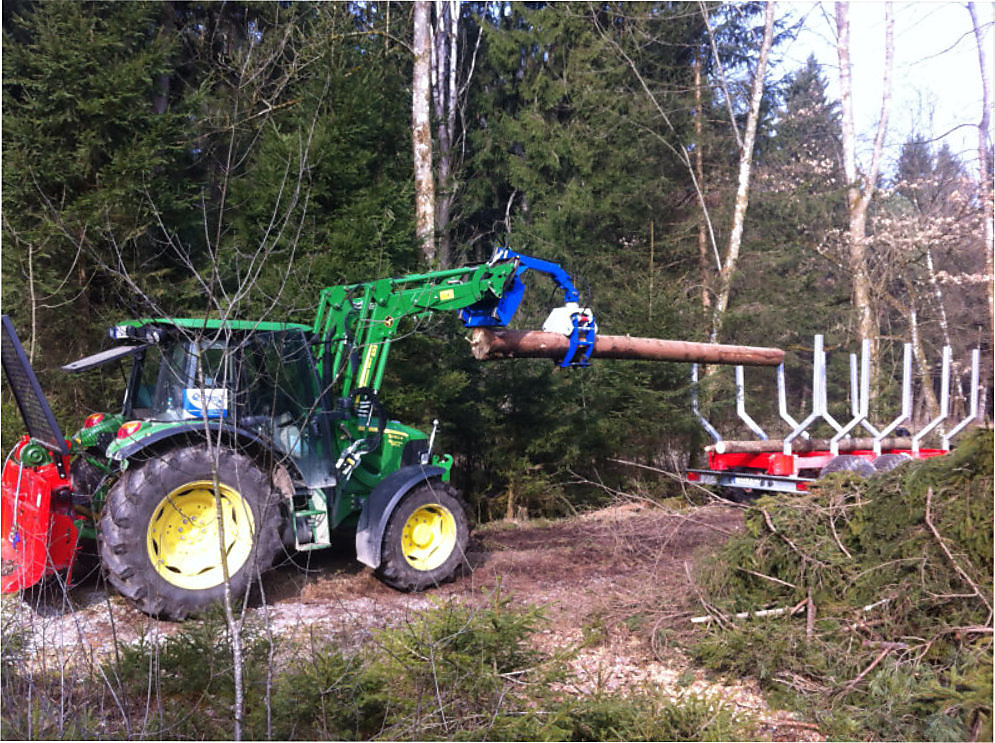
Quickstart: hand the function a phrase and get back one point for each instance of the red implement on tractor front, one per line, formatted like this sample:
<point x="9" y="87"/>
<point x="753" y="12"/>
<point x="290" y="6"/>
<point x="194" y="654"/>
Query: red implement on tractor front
<point x="37" y="535"/>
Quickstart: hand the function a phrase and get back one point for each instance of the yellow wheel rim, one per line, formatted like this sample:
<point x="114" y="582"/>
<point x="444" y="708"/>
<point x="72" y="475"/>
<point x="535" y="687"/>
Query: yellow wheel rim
<point x="428" y="537"/>
<point x="182" y="537"/>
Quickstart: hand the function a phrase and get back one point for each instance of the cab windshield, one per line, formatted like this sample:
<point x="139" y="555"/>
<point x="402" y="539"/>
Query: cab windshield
<point x="262" y="381"/>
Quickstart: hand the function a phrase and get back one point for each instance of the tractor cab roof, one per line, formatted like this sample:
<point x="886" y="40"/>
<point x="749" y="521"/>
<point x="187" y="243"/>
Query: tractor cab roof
<point x="194" y="323"/>
<point x="134" y="336"/>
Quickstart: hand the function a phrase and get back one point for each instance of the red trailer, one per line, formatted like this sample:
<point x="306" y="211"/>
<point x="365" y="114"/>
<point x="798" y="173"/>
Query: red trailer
<point x="746" y="467"/>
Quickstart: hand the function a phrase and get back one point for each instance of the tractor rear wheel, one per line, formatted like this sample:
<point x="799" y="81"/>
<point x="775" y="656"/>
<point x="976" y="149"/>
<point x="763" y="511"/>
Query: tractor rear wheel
<point x="164" y="545"/>
<point x="425" y="539"/>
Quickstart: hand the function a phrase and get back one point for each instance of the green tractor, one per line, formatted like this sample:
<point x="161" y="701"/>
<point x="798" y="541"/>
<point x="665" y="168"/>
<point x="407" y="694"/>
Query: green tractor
<point x="240" y="441"/>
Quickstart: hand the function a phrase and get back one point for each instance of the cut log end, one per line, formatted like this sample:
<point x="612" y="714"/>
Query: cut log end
<point x="488" y="344"/>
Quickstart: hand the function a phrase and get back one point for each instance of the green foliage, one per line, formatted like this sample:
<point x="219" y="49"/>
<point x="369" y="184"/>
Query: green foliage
<point x="442" y="670"/>
<point x="324" y="694"/>
<point x="451" y="672"/>
<point x="39" y="699"/>
<point x="83" y="149"/>
<point x="648" y="716"/>
<point x="190" y="676"/>
<point x="855" y="543"/>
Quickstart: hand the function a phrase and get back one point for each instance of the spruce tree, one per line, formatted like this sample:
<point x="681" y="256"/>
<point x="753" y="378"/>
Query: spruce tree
<point x="89" y="167"/>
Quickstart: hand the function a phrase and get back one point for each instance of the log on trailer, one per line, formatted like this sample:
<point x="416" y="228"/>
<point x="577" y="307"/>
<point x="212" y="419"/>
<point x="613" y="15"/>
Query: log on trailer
<point x="805" y="445"/>
<point x="489" y="344"/>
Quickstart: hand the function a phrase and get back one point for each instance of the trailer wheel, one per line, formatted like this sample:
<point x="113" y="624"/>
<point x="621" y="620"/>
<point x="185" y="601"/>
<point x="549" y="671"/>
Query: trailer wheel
<point x="161" y="543"/>
<point x="888" y="462"/>
<point x="848" y="463"/>
<point x="425" y="539"/>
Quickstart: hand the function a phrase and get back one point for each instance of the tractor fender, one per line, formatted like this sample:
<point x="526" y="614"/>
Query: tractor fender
<point x="380" y="504"/>
<point x="194" y="430"/>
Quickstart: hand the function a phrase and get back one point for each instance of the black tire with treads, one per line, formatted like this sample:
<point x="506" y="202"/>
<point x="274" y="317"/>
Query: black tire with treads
<point x="435" y="500"/>
<point x="148" y="494"/>
<point x="848" y="463"/>
<point x="888" y="462"/>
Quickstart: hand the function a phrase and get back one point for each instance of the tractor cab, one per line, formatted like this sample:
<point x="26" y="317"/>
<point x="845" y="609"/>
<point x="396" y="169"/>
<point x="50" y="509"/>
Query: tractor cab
<point x="256" y="381"/>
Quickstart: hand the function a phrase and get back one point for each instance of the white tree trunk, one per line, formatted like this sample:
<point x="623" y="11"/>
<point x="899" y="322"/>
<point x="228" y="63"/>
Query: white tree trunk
<point x="860" y="189"/>
<point x="699" y="169"/>
<point x="985" y="189"/>
<point x="421" y="131"/>
<point x="743" y="186"/>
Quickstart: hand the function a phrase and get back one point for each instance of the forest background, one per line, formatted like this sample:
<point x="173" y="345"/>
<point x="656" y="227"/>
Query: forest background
<point x="231" y="159"/>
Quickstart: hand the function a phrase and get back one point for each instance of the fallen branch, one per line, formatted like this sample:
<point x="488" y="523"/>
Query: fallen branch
<point x="684" y="483"/>
<point x="876" y="604"/>
<point x="884" y="644"/>
<point x="790" y="723"/>
<point x="714" y="613"/>
<point x="810" y="617"/>
<point x="768" y="577"/>
<point x="780" y="611"/>
<point x="643" y="499"/>
<point x="946" y="551"/>
<point x="860" y="676"/>
<point x="832" y="528"/>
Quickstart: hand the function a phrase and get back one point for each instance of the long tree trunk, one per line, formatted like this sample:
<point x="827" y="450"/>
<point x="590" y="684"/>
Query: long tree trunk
<point x="444" y="98"/>
<point x="699" y="169"/>
<point x="984" y="166"/>
<point x="743" y="186"/>
<point x="489" y="344"/>
<point x="861" y="190"/>
<point x="421" y="131"/>
<point x="925" y="378"/>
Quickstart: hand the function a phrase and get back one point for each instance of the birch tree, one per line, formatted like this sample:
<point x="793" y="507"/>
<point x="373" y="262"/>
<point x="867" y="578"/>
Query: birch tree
<point x="421" y="131"/>
<point x="985" y="194"/>
<point x="743" y="182"/>
<point x="861" y="186"/>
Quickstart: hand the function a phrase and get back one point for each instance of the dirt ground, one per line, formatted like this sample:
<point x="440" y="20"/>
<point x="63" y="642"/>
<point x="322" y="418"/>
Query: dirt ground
<point x="608" y="582"/>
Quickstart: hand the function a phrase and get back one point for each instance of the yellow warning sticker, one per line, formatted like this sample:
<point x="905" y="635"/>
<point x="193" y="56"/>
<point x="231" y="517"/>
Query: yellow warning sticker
<point x="364" y="374"/>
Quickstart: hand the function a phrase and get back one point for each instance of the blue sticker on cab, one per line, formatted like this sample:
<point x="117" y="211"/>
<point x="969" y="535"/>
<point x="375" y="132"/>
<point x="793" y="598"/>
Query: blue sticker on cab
<point x="205" y="402"/>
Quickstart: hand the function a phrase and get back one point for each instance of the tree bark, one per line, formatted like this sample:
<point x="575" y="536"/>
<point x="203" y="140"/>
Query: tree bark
<point x="985" y="190"/>
<point x="492" y="344"/>
<point x="421" y="131"/>
<point x="743" y="188"/>
<point x="861" y="190"/>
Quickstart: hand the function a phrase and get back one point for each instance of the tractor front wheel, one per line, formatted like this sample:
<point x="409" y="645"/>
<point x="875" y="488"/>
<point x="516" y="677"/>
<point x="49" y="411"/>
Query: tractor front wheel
<point x="173" y="526"/>
<point x="425" y="539"/>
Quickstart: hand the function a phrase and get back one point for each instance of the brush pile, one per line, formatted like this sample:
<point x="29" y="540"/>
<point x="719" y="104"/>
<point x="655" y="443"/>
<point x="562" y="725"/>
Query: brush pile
<point x="886" y="586"/>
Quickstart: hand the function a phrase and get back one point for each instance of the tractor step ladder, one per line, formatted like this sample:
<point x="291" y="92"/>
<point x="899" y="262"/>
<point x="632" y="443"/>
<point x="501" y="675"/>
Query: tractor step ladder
<point x="315" y="517"/>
